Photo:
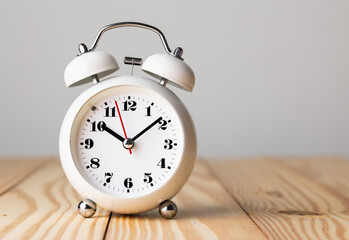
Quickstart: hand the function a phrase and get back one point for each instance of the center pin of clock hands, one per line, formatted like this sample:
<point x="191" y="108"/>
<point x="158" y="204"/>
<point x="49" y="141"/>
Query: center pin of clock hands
<point x="128" y="143"/>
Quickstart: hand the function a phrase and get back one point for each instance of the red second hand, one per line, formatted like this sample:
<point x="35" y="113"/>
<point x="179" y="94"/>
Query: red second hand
<point x="122" y="124"/>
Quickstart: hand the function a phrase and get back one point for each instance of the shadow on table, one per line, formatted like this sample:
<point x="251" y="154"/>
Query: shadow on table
<point x="193" y="212"/>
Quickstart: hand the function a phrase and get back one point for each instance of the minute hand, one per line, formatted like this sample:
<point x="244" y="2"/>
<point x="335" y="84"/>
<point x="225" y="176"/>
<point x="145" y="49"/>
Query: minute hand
<point x="147" y="128"/>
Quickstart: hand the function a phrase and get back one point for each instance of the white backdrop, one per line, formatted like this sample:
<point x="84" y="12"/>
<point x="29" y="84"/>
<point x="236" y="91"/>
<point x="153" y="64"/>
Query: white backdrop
<point x="272" y="76"/>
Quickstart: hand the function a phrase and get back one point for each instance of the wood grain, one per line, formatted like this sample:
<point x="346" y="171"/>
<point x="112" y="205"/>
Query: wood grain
<point x="13" y="170"/>
<point x="206" y="211"/>
<point x="260" y="198"/>
<point x="44" y="207"/>
<point x="290" y="200"/>
<point x="333" y="172"/>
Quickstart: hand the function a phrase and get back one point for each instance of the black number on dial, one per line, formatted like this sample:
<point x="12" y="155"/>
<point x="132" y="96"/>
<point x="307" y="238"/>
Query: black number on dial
<point x="148" y="111"/>
<point x="169" y="144"/>
<point x="128" y="184"/>
<point x="130" y="105"/>
<point x="94" y="163"/>
<point x="110" y="112"/>
<point x="148" y="178"/>
<point x="163" y="124"/>
<point x="161" y="163"/>
<point x="99" y="126"/>
<point x="89" y="143"/>
<point x="108" y="177"/>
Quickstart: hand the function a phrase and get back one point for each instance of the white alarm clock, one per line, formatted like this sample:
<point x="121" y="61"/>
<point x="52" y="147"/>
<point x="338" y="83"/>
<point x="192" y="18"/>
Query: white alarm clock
<point x="127" y="143"/>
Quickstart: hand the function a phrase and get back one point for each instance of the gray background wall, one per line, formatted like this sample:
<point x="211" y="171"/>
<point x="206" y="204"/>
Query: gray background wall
<point x="272" y="76"/>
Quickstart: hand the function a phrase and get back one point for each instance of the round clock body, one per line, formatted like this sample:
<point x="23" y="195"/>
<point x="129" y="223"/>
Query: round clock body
<point x="127" y="143"/>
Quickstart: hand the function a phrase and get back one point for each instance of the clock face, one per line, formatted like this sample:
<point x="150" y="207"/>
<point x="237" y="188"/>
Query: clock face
<point x="127" y="142"/>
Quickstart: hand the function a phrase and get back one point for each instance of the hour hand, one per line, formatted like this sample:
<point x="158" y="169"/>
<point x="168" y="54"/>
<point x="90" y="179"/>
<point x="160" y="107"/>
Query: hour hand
<point x="111" y="132"/>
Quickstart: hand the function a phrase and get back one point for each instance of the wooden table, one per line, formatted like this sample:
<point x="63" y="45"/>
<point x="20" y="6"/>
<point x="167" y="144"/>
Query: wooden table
<point x="259" y="198"/>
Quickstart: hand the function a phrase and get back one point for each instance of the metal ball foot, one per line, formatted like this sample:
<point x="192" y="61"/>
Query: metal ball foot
<point x="168" y="209"/>
<point x="87" y="208"/>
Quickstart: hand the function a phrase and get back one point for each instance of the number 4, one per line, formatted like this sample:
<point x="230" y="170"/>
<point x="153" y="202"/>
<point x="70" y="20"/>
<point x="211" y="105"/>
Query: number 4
<point x="162" y="164"/>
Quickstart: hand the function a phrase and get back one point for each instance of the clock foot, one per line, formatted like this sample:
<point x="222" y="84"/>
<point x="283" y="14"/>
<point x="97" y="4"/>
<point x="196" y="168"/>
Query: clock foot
<point x="87" y="208"/>
<point x="168" y="209"/>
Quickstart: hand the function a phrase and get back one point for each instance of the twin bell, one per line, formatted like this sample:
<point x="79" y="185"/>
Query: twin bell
<point x="92" y="65"/>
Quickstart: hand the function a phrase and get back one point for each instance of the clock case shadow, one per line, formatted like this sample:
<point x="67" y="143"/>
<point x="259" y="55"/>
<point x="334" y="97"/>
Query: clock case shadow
<point x="184" y="213"/>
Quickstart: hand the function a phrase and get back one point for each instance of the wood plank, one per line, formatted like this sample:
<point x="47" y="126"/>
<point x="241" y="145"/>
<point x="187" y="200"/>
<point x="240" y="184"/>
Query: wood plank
<point x="330" y="171"/>
<point x="206" y="211"/>
<point x="289" y="203"/>
<point x="13" y="170"/>
<point x="44" y="206"/>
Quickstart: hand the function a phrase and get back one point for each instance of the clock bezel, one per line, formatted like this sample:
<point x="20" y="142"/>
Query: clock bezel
<point x="142" y="203"/>
<point x="79" y="122"/>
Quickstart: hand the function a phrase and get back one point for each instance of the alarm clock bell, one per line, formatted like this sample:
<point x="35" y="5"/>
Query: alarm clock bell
<point x="171" y="68"/>
<point x="89" y="67"/>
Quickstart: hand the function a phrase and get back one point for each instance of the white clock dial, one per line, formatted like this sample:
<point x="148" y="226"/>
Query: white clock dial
<point x="146" y="160"/>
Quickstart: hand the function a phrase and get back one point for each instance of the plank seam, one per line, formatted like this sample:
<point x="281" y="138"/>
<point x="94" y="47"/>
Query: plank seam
<point x="106" y="228"/>
<point x="232" y="196"/>
<point x="30" y="173"/>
